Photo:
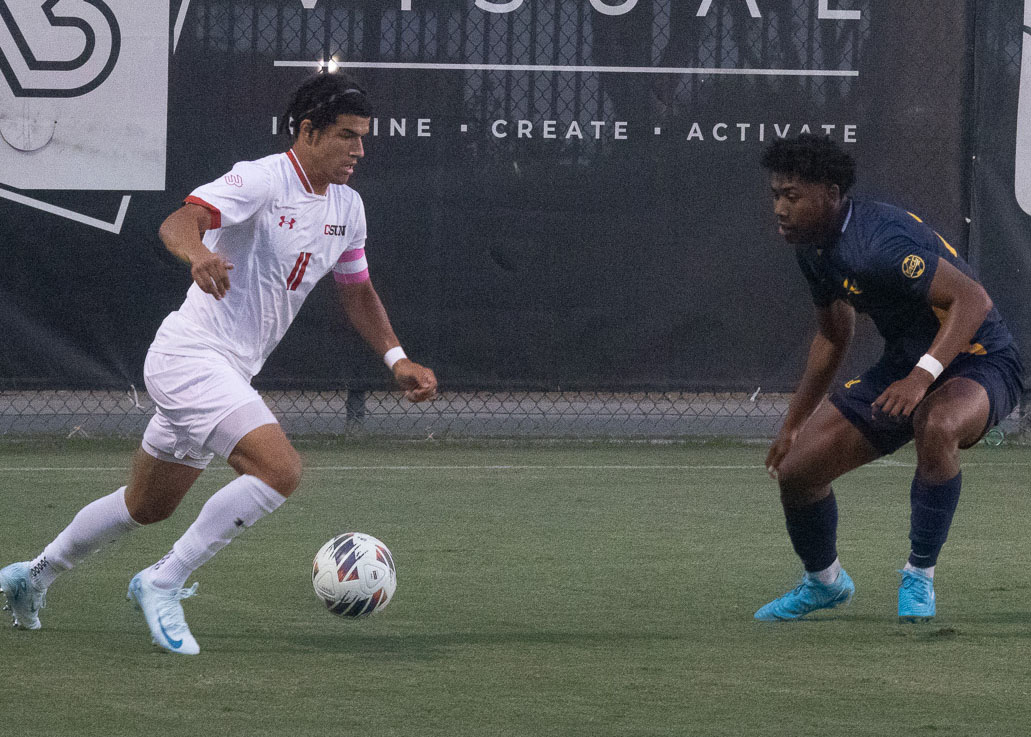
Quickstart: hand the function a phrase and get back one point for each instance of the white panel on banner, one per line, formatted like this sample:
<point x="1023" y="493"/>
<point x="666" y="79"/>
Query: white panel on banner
<point x="1023" y="163"/>
<point x="83" y="102"/>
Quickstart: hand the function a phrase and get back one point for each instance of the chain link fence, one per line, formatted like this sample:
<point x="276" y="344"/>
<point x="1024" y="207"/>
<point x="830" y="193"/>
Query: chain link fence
<point x="528" y="415"/>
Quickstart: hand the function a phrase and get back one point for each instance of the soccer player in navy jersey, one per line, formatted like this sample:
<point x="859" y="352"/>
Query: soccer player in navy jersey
<point x="950" y="370"/>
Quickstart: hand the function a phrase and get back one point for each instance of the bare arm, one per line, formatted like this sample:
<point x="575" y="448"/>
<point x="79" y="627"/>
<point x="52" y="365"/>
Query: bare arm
<point x="836" y="326"/>
<point x="366" y="313"/>
<point x="181" y="233"/>
<point x="962" y="305"/>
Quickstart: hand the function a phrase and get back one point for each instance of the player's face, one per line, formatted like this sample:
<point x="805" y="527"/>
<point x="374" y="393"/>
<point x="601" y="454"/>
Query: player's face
<point x="806" y="211"/>
<point x="336" y="148"/>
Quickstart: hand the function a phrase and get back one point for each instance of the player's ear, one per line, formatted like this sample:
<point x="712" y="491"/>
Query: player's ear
<point x="834" y="192"/>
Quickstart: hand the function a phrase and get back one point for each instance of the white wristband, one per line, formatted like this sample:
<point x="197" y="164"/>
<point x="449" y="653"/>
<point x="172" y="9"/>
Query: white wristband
<point x="931" y="365"/>
<point x="394" y="355"/>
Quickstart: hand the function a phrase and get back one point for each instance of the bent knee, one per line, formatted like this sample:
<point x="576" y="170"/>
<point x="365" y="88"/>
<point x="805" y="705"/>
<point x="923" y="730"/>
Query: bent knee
<point x="942" y="428"/>
<point x="150" y="514"/>
<point x="284" y="475"/>
<point x="797" y="487"/>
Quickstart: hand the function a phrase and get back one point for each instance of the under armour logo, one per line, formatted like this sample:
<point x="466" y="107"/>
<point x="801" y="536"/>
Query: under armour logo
<point x="289" y="223"/>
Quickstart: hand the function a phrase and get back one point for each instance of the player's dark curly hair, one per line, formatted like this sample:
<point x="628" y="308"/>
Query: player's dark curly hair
<point x="811" y="158"/>
<point x="321" y="99"/>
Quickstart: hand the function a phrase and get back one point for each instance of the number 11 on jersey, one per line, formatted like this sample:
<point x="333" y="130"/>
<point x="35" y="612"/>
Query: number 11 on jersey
<point x="294" y="280"/>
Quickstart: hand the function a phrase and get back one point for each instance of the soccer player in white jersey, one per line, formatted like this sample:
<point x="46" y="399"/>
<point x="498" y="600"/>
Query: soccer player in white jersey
<point x="256" y="240"/>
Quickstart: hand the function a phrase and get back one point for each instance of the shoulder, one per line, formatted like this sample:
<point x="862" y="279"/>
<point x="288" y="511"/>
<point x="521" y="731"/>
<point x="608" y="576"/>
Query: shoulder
<point x="883" y="219"/>
<point x="880" y="227"/>
<point x="237" y="192"/>
<point x="891" y="243"/>
<point x="253" y="175"/>
<point x="878" y="217"/>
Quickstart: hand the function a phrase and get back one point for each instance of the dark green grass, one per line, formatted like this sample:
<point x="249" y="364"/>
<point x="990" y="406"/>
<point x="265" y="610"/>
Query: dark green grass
<point x="590" y="589"/>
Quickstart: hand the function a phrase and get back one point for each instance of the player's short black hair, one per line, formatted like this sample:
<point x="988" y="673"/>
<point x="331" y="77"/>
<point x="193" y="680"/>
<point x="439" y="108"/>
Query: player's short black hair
<point x="322" y="98"/>
<point x="811" y="158"/>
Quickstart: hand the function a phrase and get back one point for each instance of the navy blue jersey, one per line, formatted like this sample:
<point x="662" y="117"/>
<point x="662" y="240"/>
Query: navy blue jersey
<point x="882" y="263"/>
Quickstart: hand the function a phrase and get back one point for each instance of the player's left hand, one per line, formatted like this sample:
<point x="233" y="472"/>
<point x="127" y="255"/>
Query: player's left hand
<point x="419" y="382"/>
<point x="901" y="397"/>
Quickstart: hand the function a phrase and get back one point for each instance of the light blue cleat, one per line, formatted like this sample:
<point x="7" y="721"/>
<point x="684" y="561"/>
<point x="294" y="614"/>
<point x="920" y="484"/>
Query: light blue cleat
<point x="164" y="615"/>
<point x="916" y="597"/>
<point x="809" y="596"/>
<point x="23" y="599"/>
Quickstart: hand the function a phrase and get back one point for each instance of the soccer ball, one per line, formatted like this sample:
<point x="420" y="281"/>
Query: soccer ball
<point x="354" y="575"/>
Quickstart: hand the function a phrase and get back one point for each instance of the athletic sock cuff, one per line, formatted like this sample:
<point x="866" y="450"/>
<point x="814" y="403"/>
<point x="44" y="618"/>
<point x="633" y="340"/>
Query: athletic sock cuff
<point x="123" y="510"/>
<point x="264" y="495"/>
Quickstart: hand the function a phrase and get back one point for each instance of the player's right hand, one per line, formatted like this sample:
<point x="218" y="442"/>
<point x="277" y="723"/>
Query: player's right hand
<point x="211" y="273"/>
<point x="419" y="382"/>
<point x="779" y="449"/>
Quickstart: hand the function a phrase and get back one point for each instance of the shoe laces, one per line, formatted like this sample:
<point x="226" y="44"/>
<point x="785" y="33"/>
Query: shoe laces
<point x="171" y="608"/>
<point x="916" y="588"/>
<point x="810" y="586"/>
<point x="804" y="584"/>
<point x="186" y="593"/>
<point x="911" y="578"/>
<point x="914" y="582"/>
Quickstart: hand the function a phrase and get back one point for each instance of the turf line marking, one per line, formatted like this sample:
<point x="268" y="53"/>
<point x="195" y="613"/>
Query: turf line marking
<point x="62" y="468"/>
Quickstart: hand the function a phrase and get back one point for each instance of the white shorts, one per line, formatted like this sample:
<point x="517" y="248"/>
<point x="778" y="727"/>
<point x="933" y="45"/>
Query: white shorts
<point x="204" y="407"/>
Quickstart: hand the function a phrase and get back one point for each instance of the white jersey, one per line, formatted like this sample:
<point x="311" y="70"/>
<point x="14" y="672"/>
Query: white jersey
<point x="281" y="238"/>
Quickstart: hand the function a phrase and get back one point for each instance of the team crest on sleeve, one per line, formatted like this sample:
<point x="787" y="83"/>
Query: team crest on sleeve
<point x="913" y="266"/>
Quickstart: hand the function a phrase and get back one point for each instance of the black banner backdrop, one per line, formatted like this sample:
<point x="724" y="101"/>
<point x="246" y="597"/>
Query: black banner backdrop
<point x="561" y="195"/>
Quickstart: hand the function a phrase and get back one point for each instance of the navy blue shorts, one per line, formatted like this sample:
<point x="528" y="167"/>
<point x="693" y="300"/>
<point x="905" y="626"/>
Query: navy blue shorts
<point x="1000" y="373"/>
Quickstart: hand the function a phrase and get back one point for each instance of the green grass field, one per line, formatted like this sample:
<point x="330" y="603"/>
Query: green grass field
<point x="556" y="589"/>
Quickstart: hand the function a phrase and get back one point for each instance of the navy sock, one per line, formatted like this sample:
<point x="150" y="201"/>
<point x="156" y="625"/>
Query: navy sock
<point x="932" y="508"/>
<point x="813" y="530"/>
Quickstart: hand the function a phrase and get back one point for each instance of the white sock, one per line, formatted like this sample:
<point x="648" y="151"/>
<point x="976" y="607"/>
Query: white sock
<point x="929" y="572"/>
<point x="829" y="574"/>
<point x="229" y="511"/>
<point x="101" y="521"/>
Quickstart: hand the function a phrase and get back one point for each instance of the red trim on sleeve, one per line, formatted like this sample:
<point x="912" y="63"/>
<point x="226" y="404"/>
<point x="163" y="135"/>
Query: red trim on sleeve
<point x="216" y="215"/>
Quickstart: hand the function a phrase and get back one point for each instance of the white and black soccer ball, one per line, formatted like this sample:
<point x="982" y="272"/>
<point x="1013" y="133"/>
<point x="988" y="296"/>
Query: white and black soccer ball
<point x="354" y="575"/>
